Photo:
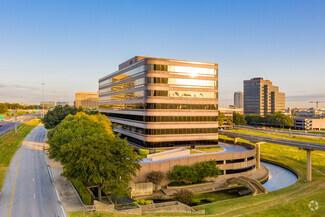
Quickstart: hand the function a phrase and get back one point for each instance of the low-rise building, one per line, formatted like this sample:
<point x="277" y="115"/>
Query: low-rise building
<point x="309" y="123"/>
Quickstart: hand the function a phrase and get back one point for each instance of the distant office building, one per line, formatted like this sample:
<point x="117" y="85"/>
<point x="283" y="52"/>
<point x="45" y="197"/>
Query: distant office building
<point x="262" y="98"/>
<point x="157" y="102"/>
<point x="309" y="123"/>
<point x="238" y="99"/>
<point x="48" y="104"/>
<point x="86" y="99"/>
<point x="309" y="112"/>
<point x="62" y="103"/>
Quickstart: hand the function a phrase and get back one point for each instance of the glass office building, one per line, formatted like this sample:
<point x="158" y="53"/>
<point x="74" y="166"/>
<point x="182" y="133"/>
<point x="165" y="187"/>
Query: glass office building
<point x="156" y="102"/>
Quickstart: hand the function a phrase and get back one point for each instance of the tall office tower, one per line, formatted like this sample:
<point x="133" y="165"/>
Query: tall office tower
<point x="86" y="99"/>
<point x="238" y="99"/>
<point x="262" y="98"/>
<point x="156" y="102"/>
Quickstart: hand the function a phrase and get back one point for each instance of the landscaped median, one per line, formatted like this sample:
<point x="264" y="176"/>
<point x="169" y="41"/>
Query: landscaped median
<point x="10" y="143"/>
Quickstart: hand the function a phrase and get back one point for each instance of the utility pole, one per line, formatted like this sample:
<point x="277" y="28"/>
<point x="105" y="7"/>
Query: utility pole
<point x="43" y="100"/>
<point x="15" y="123"/>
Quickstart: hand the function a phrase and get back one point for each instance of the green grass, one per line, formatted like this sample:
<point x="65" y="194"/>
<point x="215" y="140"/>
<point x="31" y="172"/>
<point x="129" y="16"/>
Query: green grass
<point x="211" y="149"/>
<point x="83" y="193"/>
<point x="10" y="143"/>
<point x="282" y="136"/>
<point x="290" y="201"/>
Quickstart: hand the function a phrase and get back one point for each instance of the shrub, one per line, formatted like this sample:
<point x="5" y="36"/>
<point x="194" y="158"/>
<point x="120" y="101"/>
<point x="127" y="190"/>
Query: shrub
<point x="82" y="191"/>
<point x="143" y="152"/>
<point x="134" y="203"/>
<point x="142" y="202"/>
<point x="156" y="177"/>
<point x="184" y="196"/>
<point x="158" y="151"/>
<point x="148" y="202"/>
<point x="194" y="174"/>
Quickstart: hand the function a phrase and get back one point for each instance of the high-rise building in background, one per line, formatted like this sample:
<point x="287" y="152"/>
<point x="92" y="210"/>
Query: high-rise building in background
<point x="238" y="99"/>
<point x="262" y="98"/>
<point x="157" y="102"/>
<point x="86" y="99"/>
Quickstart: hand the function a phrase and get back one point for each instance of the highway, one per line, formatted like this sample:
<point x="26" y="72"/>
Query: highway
<point x="28" y="190"/>
<point x="6" y="126"/>
<point x="300" y="133"/>
<point x="253" y="138"/>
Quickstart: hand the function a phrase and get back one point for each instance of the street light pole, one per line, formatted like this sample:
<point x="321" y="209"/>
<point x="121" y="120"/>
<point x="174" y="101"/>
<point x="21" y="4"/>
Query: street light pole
<point x="43" y="100"/>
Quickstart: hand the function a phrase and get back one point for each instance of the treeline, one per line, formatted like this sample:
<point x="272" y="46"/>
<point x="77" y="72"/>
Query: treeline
<point x="5" y="106"/>
<point x="276" y="119"/>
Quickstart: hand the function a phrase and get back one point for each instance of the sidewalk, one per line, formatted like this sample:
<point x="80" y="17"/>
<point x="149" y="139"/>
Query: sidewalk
<point x="68" y="195"/>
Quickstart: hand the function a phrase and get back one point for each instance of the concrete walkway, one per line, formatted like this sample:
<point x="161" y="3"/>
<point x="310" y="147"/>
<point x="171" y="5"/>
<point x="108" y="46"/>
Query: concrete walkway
<point x="68" y="195"/>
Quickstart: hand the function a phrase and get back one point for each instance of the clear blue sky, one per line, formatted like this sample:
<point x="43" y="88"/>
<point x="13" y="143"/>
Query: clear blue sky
<point x="69" y="45"/>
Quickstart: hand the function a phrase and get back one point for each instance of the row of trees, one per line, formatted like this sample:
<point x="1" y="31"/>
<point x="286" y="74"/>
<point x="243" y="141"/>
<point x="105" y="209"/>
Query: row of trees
<point x="276" y="119"/>
<point x="90" y="152"/>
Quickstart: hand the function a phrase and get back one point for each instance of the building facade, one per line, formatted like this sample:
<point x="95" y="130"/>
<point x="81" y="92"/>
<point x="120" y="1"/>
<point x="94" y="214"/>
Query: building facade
<point x="86" y="99"/>
<point x="155" y="102"/>
<point x="262" y="97"/>
<point x="239" y="99"/>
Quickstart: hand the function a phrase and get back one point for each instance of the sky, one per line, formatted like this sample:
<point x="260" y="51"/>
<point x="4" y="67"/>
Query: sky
<point x="69" y="45"/>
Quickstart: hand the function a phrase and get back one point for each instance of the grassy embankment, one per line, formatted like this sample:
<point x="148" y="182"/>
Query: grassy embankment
<point x="10" y="143"/>
<point x="282" y="136"/>
<point x="290" y="201"/>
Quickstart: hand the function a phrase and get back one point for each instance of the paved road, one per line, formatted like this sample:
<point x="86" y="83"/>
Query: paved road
<point x="300" y="133"/>
<point x="28" y="177"/>
<point x="6" y="126"/>
<point x="253" y="138"/>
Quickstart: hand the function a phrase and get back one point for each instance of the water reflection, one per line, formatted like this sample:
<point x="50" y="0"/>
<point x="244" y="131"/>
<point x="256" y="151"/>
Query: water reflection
<point x="279" y="177"/>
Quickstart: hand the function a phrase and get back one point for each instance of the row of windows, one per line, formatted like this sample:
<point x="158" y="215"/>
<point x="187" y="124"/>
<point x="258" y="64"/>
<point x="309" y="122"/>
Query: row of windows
<point x="120" y="77"/>
<point x="123" y="86"/>
<point x="240" y="170"/>
<point x="186" y="94"/>
<point x="123" y="96"/>
<point x="165" y="131"/>
<point x="185" y="70"/>
<point x="169" y="144"/>
<point x="182" y="82"/>
<point x="158" y="106"/>
<point x="164" y="118"/>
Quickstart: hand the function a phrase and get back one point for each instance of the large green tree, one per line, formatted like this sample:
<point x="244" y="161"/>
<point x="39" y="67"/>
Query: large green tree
<point x="54" y="117"/>
<point x="239" y="119"/>
<point x="89" y="151"/>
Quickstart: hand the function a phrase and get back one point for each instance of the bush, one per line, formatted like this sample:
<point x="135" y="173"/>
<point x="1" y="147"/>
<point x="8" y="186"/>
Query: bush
<point x="184" y="196"/>
<point x="143" y="152"/>
<point x="158" y="151"/>
<point x="82" y="191"/>
<point x="141" y="202"/>
<point x="156" y="177"/>
<point x="194" y="174"/>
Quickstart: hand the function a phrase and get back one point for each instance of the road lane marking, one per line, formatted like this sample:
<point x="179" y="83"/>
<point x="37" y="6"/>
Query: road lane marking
<point x="34" y="196"/>
<point x="13" y="190"/>
<point x="33" y="179"/>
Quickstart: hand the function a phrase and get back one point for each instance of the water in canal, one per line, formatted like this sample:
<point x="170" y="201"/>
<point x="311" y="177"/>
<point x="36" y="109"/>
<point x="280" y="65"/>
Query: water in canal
<point x="279" y="177"/>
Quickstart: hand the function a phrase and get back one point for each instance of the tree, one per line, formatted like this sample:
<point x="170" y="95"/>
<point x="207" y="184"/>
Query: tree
<point x="183" y="173"/>
<point x="3" y="108"/>
<point x="184" y="196"/>
<point x="89" y="151"/>
<point x="156" y="177"/>
<point x="54" y="117"/>
<point x="194" y="174"/>
<point x="221" y="118"/>
<point x="206" y="169"/>
<point x="239" y="119"/>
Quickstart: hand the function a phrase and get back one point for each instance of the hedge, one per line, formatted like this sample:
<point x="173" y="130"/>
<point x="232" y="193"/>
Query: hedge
<point x="143" y="152"/>
<point x="82" y="191"/>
